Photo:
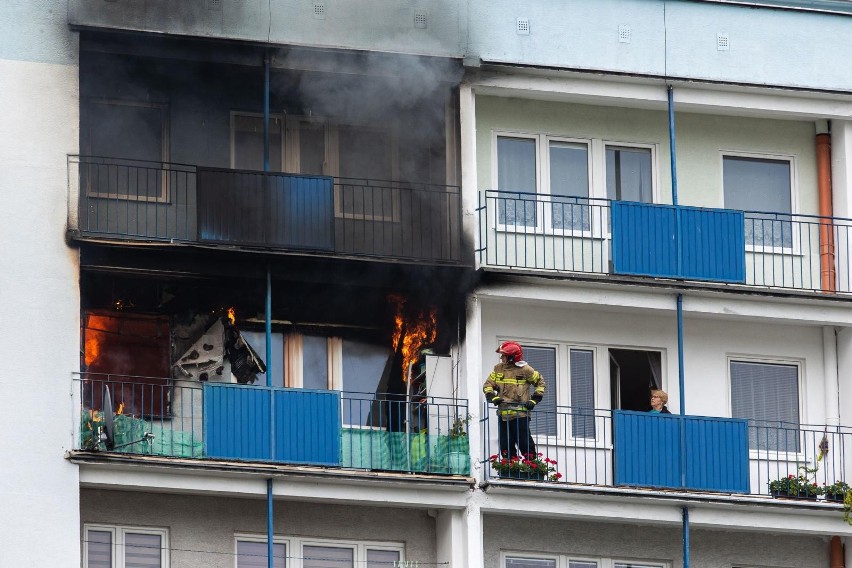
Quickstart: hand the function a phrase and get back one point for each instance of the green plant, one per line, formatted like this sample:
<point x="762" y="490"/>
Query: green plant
<point x="837" y="490"/>
<point x="795" y="486"/>
<point x="459" y="427"/>
<point x="531" y="466"/>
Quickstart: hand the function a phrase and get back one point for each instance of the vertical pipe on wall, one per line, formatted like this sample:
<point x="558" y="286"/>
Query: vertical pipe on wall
<point x="266" y="113"/>
<point x="672" y="151"/>
<point x="828" y="275"/>
<point x="830" y="372"/>
<point x="835" y="550"/>
<point x="270" y="544"/>
<point x="680" y="370"/>
<point x="685" y="537"/>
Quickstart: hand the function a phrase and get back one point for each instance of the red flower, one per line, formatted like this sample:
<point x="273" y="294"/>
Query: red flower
<point x="494" y="457"/>
<point x="558" y="476"/>
<point x="533" y="466"/>
<point x="504" y="461"/>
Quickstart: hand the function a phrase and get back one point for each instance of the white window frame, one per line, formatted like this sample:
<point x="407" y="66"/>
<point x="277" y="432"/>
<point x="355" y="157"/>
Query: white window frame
<point x="295" y="547"/>
<point x="568" y="436"/>
<point x="596" y="148"/>
<point x="563" y="560"/>
<point x="164" y="195"/>
<point x="755" y="453"/>
<point x="793" y="159"/>
<point x="235" y="113"/>
<point x="118" y="533"/>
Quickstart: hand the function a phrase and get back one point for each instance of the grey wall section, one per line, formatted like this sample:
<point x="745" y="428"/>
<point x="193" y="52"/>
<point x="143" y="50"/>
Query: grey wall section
<point x="674" y="38"/>
<point x="709" y="549"/>
<point x="209" y="523"/>
<point x="36" y="31"/>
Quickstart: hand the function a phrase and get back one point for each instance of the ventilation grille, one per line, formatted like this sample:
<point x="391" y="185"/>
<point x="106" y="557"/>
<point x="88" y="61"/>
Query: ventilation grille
<point x="624" y="33"/>
<point x="214" y="4"/>
<point x="722" y="43"/>
<point x="319" y="10"/>
<point x="420" y="19"/>
<point x="523" y="26"/>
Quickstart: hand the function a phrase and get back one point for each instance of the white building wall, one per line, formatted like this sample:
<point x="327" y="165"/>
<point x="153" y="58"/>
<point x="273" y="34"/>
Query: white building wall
<point x="39" y="296"/>
<point x="202" y="529"/>
<point x="709" y="549"/>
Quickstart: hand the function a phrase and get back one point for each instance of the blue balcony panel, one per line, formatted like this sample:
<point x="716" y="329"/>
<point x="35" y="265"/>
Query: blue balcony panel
<point x="712" y="244"/>
<point x="644" y="239"/>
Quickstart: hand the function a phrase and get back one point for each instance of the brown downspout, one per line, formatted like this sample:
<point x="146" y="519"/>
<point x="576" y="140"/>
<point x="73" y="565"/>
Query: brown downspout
<point x="836" y="553"/>
<point x="826" y="226"/>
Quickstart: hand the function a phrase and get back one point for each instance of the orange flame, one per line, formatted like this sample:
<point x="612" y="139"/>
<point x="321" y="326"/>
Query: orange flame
<point x="120" y="408"/>
<point x="410" y="336"/>
<point x="232" y="316"/>
<point x="93" y="348"/>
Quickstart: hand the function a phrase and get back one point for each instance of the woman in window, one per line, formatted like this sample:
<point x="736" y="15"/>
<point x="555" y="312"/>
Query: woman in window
<point x="659" y="398"/>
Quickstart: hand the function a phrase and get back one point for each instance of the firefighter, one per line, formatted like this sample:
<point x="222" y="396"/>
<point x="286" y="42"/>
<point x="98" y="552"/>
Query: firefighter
<point x="508" y="388"/>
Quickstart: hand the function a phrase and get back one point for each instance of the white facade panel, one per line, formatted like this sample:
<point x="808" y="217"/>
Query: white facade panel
<point x="39" y="298"/>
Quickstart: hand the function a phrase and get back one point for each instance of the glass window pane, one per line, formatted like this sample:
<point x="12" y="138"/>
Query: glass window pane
<point x="257" y="339"/>
<point x="314" y="362"/>
<point x="248" y="143"/>
<point x="99" y="547"/>
<point x="582" y="393"/>
<point x="516" y="171"/>
<point x="327" y="557"/>
<point x="543" y="418"/>
<point x="767" y="394"/>
<point x="569" y="180"/>
<point x="628" y="174"/>
<point x="311" y="148"/>
<point x="582" y="564"/>
<point x="126" y="131"/>
<point x="253" y="555"/>
<point x="756" y="184"/>
<point x="631" y="565"/>
<point x="142" y="550"/>
<point x="363" y="365"/>
<point x="530" y="563"/>
<point x="382" y="558"/>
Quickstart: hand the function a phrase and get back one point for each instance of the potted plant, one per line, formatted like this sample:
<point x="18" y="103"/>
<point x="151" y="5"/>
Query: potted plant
<point x="795" y="487"/>
<point x="530" y="466"/>
<point x="459" y="446"/>
<point x="836" y="491"/>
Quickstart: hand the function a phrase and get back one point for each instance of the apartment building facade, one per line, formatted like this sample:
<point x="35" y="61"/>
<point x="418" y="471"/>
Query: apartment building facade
<point x="246" y="219"/>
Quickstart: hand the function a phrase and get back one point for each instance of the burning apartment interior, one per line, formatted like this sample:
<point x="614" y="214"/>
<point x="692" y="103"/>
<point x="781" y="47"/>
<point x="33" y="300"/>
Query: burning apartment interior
<point x="155" y="342"/>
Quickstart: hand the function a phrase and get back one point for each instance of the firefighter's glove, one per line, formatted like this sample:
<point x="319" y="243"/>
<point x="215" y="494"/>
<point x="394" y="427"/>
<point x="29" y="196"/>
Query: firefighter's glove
<point x="530" y="404"/>
<point x="496" y="400"/>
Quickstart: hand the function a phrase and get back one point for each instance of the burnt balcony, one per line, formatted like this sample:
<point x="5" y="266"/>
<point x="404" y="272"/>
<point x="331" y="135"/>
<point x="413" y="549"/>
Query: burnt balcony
<point x="140" y="417"/>
<point x="579" y="235"/>
<point x="123" y="201"/>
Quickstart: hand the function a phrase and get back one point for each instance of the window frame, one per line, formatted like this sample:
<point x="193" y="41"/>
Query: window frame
<point x="295" y="547"/>
<point x="563" y="560"/>
<point x="118" y="533"/>
<point x="596" y="155"/>
<point x="165" y="193"/>
<point x="793" y="159"/>
<point x="755" y="453"/>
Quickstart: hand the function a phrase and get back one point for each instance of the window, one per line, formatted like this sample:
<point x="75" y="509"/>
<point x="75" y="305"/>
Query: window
<point x="125" y="547"/>
<point x="768" y="395"/>
<point x="544" y="420"/>
<point x="135" y="136"/>
<point x="761" y="184"/>
<point x="582" y="368"/>
<point x="549" y="181"/>
<point x="247" y="142"/>
<point x="628" y="174"/>
<point x="252" y="551"/>
<point x="566" y="561"/>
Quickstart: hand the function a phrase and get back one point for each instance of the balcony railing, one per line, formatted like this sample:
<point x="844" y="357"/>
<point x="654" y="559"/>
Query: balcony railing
<point x="181" y="419"/>
<point x="583" y="235"/>
<point x="152" y="201"/>
<point x="688" y="453"/>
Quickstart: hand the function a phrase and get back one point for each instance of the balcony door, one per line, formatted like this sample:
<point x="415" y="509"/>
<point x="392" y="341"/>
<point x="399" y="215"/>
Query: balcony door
<point x="633" y="373"/>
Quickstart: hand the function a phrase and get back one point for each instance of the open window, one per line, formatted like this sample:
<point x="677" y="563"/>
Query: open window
<point x="633" y="373"/>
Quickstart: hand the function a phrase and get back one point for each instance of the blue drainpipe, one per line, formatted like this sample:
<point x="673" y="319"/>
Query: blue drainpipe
<point x="270" y="544"/>
<point x="682" y="429"/>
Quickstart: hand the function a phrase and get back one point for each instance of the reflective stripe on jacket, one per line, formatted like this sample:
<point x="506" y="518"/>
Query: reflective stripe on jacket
<point x="512" y="383"/>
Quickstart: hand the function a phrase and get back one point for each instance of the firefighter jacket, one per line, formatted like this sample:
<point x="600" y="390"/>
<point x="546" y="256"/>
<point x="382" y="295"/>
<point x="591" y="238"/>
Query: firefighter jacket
<point x="512" y="383"/>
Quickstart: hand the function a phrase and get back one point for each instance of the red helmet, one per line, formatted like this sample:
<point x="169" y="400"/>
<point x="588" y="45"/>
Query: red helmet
<point x="511" y="350"/>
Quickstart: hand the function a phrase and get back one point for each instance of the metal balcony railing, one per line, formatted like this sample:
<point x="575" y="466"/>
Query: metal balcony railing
<point x="192" y="420"/>
<point x="584" y="235"/>
<point x="136" y="200"/>
<point x="584" y="446"/>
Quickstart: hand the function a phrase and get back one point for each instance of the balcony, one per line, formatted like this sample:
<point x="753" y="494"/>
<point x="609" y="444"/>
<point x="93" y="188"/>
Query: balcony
<point x="551" y="233"/>
<point x="137" y="201"/>
<point x="644" y="451"/>
<point x="242" y="423"/>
